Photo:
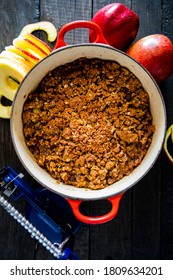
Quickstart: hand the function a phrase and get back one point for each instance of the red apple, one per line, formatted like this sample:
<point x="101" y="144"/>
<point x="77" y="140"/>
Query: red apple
<point x="155" y="53"/>
<point x="119" y="25"/>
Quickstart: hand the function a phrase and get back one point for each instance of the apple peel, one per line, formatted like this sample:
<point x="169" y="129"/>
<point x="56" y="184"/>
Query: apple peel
<point x="45" y="26"/>
<point x="169" y="134"/>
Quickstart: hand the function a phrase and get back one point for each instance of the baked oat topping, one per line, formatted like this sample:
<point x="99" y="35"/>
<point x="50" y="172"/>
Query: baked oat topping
<point x="88" y="123"/>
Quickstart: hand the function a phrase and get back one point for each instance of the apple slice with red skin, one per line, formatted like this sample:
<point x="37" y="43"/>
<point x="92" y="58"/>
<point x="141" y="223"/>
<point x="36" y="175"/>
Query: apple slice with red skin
<point x="40" y="44"/>
<point x="155" y="53"/>
<point x="34" y="46"/>
<point x="27" y="45"/>
<point x="27" y="55"/>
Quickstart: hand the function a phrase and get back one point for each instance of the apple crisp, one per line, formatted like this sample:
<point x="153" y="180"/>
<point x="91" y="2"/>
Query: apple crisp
<point x="88" y="123"/>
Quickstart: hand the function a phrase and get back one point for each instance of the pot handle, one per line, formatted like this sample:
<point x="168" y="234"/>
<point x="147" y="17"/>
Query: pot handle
<point x="79" y="24"/>
<point x="98" y="219"/>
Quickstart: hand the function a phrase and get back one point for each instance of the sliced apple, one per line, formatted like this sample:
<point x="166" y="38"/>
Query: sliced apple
<point x="16" y="61"/>
<point x="40" y="44"/>
<point x="17" y="58"/>
<point x="25" y="44"/>
<point x="27" y="55"/>
<point x="5" y="111"/>
<point x="45" y="26"/>
<point x="11" y="74"/>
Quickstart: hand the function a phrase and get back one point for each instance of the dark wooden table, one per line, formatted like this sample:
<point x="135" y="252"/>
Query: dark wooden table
<point x="143" y="228"/>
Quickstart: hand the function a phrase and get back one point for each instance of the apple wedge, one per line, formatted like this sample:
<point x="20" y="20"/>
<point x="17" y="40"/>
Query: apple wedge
<point x="11" y="74"/>
<point x="45" y="26"/>
<point x="18" y="59"/>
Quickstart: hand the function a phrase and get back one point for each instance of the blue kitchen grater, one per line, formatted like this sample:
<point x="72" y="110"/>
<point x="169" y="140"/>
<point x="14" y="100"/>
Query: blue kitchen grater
<point x="48" y="217"/>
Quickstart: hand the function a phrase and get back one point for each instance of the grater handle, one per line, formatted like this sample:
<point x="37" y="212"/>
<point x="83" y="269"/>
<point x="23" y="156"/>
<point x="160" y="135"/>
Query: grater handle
<point x="75" y="204"/>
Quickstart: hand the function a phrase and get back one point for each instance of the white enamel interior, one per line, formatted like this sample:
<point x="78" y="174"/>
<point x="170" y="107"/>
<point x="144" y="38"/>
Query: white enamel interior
<point x="65" y="55"/>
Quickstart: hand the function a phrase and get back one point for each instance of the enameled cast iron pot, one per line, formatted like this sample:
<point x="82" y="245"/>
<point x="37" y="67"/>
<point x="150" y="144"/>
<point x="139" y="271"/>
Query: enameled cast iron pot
<point x="63" y="54"/>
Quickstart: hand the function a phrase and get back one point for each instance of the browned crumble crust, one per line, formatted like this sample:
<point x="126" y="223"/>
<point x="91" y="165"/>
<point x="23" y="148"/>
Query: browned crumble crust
<point x="88" y="123"/>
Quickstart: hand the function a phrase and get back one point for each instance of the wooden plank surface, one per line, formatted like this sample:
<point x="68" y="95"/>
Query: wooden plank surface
<point x="146" y="194"/>
<point x="166" y="233"/>
<point x="143" y="227"/>
<point x="15" y="242"/>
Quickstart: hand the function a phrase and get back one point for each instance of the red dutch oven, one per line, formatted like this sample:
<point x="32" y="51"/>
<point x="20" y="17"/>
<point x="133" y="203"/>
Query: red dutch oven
<point x="61" y="55"/>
